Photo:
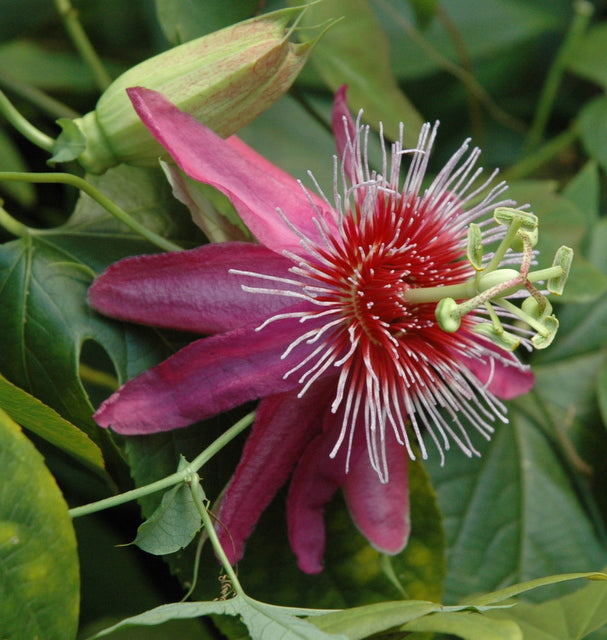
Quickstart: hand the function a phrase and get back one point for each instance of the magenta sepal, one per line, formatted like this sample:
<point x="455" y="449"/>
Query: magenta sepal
<point x="203" y="379"/>
<point x="192" y="290"/>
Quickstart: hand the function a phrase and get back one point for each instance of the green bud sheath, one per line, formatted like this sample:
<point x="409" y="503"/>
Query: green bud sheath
<point x="224" y="79"/>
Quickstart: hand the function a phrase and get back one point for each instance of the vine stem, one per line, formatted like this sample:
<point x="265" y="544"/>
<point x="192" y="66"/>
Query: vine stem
<point x="82" y="43"/>
<point x="11" y="225"/>
<point x="23" y="126"/>
<point x="93" y="192"/>
<point x="183" y="475"/>
<point x="196" y="490"/>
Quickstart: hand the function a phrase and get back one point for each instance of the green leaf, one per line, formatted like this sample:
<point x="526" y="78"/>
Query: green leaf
<point x="45" y="422"/>
<point x="264" y="621"/>
<point x="467" y="625"/>
<point x="38" y="13"/>
<point x="584" y="191"/>
<point x="519" y="23"/>
<point x="361" y="622"/>
<point x="173" y="525"/>
<point x="513" y="514"/>
<point x="566" y="387"/>
<point x="592" y="125"/>
<point x="570" y="617"/>
<point x="183" y="20"/>
<point x="496" y="597"/>
<point x="39" y="582"/>
<point x="589" y="58"/>
<point x="340" y="59"/>
<point x="44" y="277"/>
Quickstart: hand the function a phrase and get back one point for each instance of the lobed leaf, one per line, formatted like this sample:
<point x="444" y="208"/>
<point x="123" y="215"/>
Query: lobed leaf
<point x="264" y="621"/>
<point x="44" y="277"/>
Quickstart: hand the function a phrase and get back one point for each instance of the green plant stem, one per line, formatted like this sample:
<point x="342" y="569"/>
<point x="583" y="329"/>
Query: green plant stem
<point x="212" y="534"/>
<point x="93" y="192"/>
<point x="182" y="475"/>
<point x="39" y="99"/>
<point x="11" y="225"/>
<point x="583" y="12"/>
<point x="24" y="127"/>
<point x="542" y="156"/>
<point x="82" y="43"/>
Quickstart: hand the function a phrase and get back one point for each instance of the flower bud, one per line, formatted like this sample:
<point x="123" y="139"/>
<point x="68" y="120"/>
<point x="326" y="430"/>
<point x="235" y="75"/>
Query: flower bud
<point x="224" y="79"/>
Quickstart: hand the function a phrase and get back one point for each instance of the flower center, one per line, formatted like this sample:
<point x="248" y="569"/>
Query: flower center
<point x="379" y="258"/>
<point x="374" y="299"/>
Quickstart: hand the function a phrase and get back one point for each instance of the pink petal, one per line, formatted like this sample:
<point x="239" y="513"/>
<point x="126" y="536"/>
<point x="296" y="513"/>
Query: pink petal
<point x="204" y="156"/>
<point x="314" y="482"/>
<point x="192" y="290"/>
<point x="283" y="427"/>
<point x="270" y="169"/>
<point x="215" y="225"/>
<point x="203" y="379"/>
<point x="501" y="372"/>
<point x="380" y="511"/>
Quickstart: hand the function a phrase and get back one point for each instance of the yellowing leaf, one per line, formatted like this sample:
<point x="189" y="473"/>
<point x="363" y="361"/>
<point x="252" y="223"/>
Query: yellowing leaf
<point x="39" y="580"/>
